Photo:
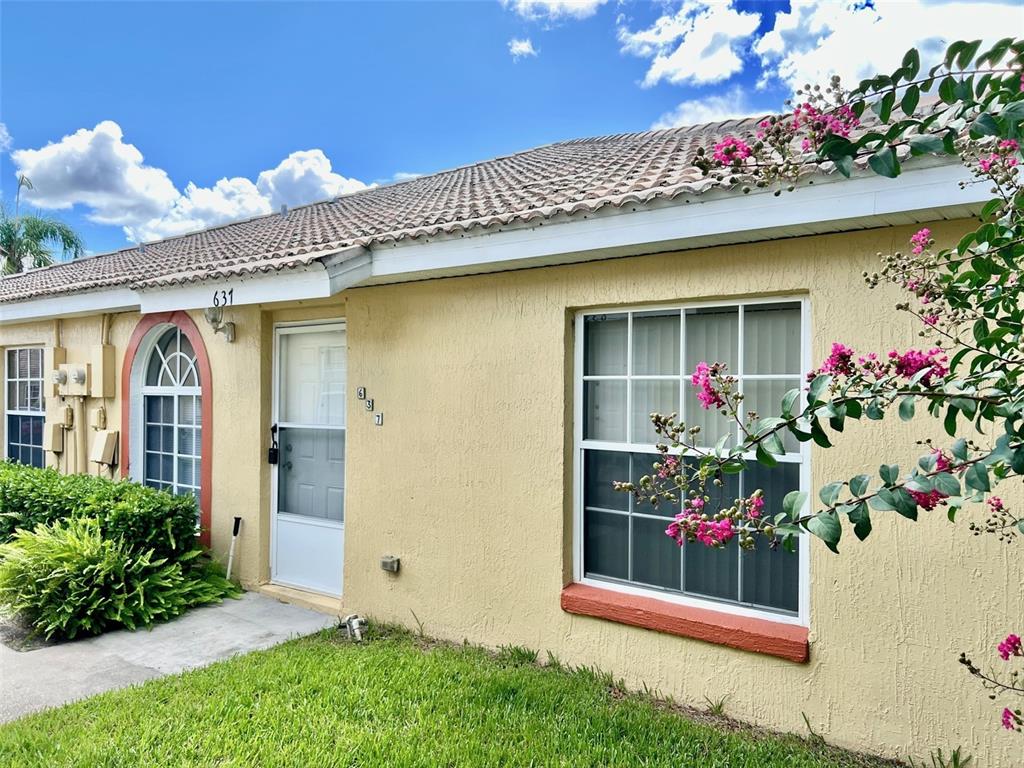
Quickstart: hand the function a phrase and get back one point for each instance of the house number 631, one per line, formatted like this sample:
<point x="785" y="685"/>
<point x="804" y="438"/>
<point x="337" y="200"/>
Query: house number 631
<point x="224" y="298"/>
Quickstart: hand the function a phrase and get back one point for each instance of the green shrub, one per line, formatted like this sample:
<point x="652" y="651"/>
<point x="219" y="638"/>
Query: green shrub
<point x="144" y="518"/>
<point x="68" y="579"/>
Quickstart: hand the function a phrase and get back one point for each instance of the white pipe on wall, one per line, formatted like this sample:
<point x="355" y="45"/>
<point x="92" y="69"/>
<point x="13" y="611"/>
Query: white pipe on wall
<point x="81" y="462"/>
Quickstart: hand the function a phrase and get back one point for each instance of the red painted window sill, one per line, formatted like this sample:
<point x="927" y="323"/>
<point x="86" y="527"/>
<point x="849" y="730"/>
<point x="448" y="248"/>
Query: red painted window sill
<point x="787" y="641"/>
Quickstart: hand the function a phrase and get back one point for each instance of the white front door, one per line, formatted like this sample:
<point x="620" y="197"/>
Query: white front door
<point x="308" y="536"/>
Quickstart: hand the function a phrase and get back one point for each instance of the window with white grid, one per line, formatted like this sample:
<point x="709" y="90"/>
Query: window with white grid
<point x="25" y="406"/>
<point x="172" y="413"/>
<point x="633" y="362"/>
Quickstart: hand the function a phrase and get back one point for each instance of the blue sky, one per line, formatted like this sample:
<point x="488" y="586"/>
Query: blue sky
<point x="255" y="104"/>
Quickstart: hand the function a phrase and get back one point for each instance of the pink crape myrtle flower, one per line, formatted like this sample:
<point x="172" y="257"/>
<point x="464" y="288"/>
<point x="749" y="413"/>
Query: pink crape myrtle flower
<point x="730" y="150"/>
<point x="914" y="360"/>
<point x="691" y="523"/>
<point x="920" y="241"/>
<point x="942" y="463"/>
<point x="839" y="361"/>
<point x="668" y="467"/>
<point x="755" y="507"/>
<point x="927" y="500"/>
<point x="708" y="396"/>
<point x="1011" y="646"/>
<point x="1009" y="719"/>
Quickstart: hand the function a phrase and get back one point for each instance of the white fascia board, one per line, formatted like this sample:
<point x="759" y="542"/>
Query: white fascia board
<point x="320" y="279"/>
<point x="52" y="307"/>
<point x="685" y="223"/>
<point x="310" y="282"/>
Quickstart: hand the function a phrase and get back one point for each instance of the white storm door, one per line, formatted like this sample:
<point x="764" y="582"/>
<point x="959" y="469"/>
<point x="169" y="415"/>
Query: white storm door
<point x="308" y="538"/>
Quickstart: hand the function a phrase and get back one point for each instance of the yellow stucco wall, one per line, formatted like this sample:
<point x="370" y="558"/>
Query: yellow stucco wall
<point x="469" y="482"/>
<point x="474" y="378"/>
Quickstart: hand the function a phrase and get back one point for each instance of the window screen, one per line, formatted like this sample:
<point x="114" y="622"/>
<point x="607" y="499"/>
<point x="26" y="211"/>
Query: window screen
<point x="638" y="362"/>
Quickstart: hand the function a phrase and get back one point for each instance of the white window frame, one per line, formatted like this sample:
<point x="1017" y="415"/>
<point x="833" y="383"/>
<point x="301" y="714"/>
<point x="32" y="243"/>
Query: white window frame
<point x="802" y="616"/>
<point x="8" y="410"/>
<point x="139" y="391"/>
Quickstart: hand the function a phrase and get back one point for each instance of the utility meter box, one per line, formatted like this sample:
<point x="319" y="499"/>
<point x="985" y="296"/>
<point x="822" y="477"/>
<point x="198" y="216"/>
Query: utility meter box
<point x="102" y="382"/>
<point x="98" y="418"/>
<point x="78" y="379"/>
<point x="64" y="417"/>
<point x="104" y="447"/>
<point x="53" y="357"/>
<point x="53" y="437"/>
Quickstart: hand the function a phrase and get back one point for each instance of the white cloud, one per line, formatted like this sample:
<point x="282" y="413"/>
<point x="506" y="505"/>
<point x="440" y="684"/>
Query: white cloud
<point x="554" y="9"/>
<point x="405" y="176"/>
<point x="5" y="138"/>
<point x="701" y="43"/>
<point x="819" y="38"/>
<point x="521" y="48"/>
<point x="303" y="177"/>
<point x="711" y="109"/>
<point x="97" y="169"/>
<point x="200" y="207"/>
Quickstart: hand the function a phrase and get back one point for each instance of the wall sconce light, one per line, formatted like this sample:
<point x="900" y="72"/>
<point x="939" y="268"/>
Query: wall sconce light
<point x="215" y="317"/>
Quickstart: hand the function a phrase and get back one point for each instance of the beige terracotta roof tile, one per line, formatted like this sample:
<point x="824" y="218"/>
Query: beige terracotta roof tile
<point x="570" y="177"/>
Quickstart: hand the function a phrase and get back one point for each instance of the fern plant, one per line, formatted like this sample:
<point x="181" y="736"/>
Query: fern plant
<point x="67" y="579"/>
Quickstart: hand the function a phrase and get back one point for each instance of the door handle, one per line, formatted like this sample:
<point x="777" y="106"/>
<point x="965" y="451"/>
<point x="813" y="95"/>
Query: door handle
<point x="274" y="454"/>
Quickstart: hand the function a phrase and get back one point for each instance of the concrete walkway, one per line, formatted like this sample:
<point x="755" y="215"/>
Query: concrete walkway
<point x="51" y="676"/>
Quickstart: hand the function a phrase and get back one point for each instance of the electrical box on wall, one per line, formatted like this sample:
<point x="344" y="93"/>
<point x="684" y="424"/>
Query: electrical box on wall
<point x="64" y="417"/>
<point x="103" y="374"/>
<point x="98" y="418"/>
<point x="76" y="379"/>
<point x="53" y="437"/>
<point x="53" y="357"/>
<point x="104" y="447"/>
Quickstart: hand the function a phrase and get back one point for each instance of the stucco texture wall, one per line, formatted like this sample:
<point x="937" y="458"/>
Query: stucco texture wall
<point x="240" y="388"/>
<point x="469" y="481"/>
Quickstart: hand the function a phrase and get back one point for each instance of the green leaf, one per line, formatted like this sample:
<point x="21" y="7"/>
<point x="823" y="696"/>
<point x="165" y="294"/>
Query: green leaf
<point x="924" y="144"/>
<point x="821" y="383"/>
<point x="920" y="483"/>
<point x="947" y="89"/>
<point x="890" y="473"/>
<point x="763" y="457"/>
<point x="959" y="449"/>
<point x="911" y="64"/>
<point x="788" y="401"/>
<point x="874" y="410"/>
<point x="818" y="435"/>
<point x="976" y="477"/>
<point x="883" y="107"/>
<point x="910" y="100"/>
<point x="947" y="484"/>
<point x="907" y="408"/>
<point x="967" y="54"/>
<point x="793" y="503"/>
<point x="904" y="503"/>
<point x="949" y="423"/>
<point x="884" y="163"/>
<point x="861" y="519"/>
<point x="859" y="484"/>
<point x="826" y="526"/>
<point x="984" y="125"/>
<point x="844" y="164"/>
<point x="773" y="444"/>
<point x="829" y="494"/>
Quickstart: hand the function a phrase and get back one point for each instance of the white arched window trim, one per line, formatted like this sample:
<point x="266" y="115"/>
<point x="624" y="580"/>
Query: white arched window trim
<point x="175" y="401"/>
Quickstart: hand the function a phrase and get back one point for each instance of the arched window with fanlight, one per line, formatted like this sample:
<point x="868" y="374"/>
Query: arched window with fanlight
<point x="172" y="415"/>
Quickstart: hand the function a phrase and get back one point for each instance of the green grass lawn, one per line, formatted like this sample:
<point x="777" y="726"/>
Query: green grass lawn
<point x="394" y="701"/>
